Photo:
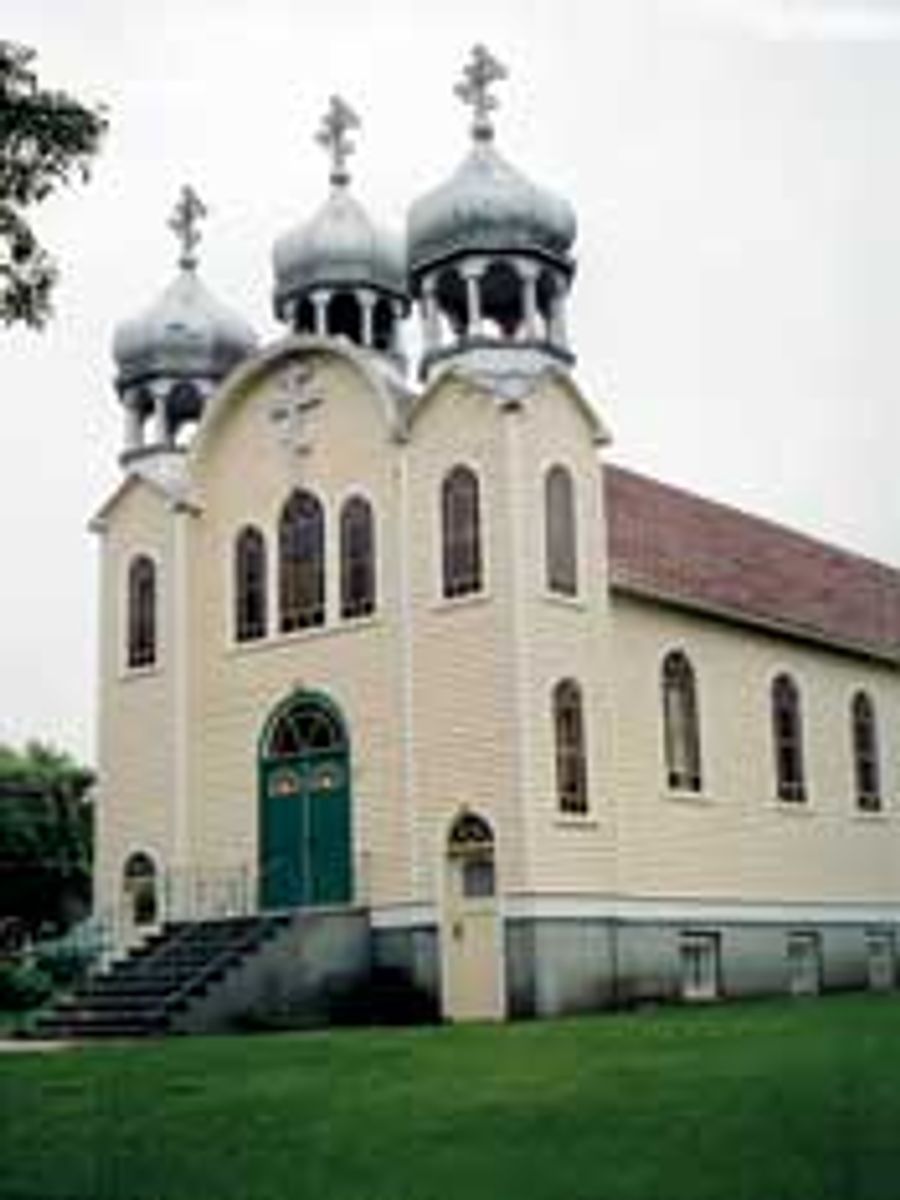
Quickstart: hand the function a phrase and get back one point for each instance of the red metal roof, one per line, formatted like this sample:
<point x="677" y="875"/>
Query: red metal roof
<point x="672" y="544"/>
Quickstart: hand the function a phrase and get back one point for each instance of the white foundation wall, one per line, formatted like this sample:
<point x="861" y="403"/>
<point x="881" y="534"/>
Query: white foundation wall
<point x="735" y="841"/>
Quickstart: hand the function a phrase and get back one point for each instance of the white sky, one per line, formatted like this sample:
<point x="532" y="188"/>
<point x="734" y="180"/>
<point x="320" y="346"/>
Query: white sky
<point x="735" y="165"/>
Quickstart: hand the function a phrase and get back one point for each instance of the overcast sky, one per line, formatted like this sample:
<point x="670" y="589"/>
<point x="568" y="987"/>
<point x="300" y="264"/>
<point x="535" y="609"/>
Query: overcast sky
<point x="735" y="166"/>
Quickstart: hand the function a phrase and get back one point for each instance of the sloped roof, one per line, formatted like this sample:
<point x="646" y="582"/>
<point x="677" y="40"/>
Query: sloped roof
<point x="676" y="546"/>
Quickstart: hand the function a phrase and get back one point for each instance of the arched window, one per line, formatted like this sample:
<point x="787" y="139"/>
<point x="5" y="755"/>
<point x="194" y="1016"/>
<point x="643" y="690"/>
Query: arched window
<point x="357" y="558"/>
<point x="250" y="585"/>
<point x="787" y="736"/>
<point x="140" y="888"/>
<point x="141" y="612"/>
<point x="865" y="753"/>
<point x="560" y="551"/>
<point x="301" y="580"/>
<point x="681" y="723"/>
<point x="461" y="529"/>
<point x="571" y="757"/>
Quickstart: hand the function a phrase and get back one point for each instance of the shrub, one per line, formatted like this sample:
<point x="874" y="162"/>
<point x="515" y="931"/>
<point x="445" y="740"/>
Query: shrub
<point x="23" y="987"/>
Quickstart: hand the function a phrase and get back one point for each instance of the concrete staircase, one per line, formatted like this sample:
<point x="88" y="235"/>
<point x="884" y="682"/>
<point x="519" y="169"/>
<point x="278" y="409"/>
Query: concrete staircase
<point x="155" y="988"/>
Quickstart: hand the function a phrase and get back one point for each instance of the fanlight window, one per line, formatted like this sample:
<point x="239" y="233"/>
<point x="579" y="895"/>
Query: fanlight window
<point x="141" y="612"/>
<point x="787" y="736"/>
<point x="865" y="753"/>
<point x="304" y="727"/>
<point x="140" y="888"/>
<point x="561" y="551"/>
<point x="301" y="544"/>
<point x="681" y="723"/>
<point x="471" y="844"/>
<point x="250" y="585"/>
<point x="357" y="558"/>
<point x="461" y="530"/>
<point x="571" y="757"/>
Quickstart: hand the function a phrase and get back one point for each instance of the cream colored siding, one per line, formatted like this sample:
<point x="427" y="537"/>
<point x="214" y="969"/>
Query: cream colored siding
<point x="736" y="840"/>
<point x="135" y="731"/>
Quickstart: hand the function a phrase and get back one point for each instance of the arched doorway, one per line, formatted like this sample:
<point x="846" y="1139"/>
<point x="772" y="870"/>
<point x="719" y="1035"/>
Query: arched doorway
<point x="472" y="948"/>
<point x="304" y="842"/>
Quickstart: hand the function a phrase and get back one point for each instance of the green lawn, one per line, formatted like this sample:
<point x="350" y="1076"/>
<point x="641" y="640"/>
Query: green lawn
<point x="773" y="1101"/>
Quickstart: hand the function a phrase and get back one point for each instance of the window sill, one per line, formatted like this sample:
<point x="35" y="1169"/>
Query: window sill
<point x="451" y="603"/>
<point x="273" y="641"/>
<point x="793" y="808"/>
<point x="575" y="821"/>
<point x="577" y="602"/>
<point x="876" y="817"/>
<point x="687" y="796"/>
<point x="127" y="674"/>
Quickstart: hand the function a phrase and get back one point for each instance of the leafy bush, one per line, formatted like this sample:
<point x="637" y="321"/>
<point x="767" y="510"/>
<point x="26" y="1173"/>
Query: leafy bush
<point x="23" y="987"/>
<point x="65" y="965"/>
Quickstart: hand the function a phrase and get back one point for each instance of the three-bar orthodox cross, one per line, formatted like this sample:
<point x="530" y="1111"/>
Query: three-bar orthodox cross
<point x="481" y="72"/>
<point x="185" y="223"/>
<point x="333" y="135"/>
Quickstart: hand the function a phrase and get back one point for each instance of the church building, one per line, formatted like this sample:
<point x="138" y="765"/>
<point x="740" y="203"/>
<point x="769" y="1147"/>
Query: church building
<point x="385" y="640"/>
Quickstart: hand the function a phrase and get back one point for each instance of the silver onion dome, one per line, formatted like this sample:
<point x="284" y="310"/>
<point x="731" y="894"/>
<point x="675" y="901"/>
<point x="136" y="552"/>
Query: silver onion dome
<point x="339" y="247"/>
<point x="340" y="250"/>
<point x="187" y="334"/>
<point x="488" y="206"/>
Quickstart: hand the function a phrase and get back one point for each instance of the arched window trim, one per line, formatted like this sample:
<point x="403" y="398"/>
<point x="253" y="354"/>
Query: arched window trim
<point x="358" y="572"/>
<point x="250" y="583"/>
<point x="787" y="739"/>
<point x="866" y="756"/>
<point x="141" y="612"/>
<point x="462" y="555"/>
<point x="144" y="901"/>
<point x="570" y="747"/>
<point x="560" y="532"/>
<point x="301" y="568"/>
<point x="681" y="723"/>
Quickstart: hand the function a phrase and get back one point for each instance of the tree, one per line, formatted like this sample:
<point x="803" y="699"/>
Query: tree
<point x="45" y="837"/>
<point x="47" y="138"/>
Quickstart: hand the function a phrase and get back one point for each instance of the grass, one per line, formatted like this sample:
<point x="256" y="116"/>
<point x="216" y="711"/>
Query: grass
<point x="771" y="1101"/>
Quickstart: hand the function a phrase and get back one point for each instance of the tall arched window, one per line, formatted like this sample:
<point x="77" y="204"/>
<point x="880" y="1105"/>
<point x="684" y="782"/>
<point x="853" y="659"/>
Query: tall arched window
<point x="301" y="566"/>
<point x="865" y="753"/>
<point x="357" y="558"/>
<point x="461" y="529"/>
<point x="571" y="756"/>
<point x="787" y="736"/>
<point x="139" y="881"/>
<point x="141" y="612"/>
<point x="681" y="721"/>
<point x="250" y="585"/>
<point x="560" y="540"/>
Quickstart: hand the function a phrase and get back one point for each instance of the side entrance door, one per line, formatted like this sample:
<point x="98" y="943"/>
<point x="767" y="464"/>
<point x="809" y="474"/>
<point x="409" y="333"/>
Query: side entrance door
<point x="305" y="837"/>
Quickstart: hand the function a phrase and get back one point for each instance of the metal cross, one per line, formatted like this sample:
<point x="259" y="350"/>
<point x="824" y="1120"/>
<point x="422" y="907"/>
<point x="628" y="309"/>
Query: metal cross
<point x="290" y="407"/>
<point x="336" y="125"/>
<point x="480" y="73"/>
<point x="184" y="222"/>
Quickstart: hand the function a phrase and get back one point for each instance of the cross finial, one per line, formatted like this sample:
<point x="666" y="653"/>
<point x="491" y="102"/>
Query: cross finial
<point x="336" y="125"/>
<point x="185" y="223"/>
<point x="480" y="73"/>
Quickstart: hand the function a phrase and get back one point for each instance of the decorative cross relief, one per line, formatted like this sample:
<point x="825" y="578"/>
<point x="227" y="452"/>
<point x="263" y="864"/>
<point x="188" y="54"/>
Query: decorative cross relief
<point x="481" y="72"/>
<point x="295" y="398"/>
<point x="337" y="123"/>
<point x="185" y="224"/>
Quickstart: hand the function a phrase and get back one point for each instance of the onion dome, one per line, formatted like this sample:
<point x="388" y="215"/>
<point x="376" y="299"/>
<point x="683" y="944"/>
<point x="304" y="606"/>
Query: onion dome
<point x="487" y="205"/>
<point x="169" y="358"/>
<point x="340" y="273"/>
<point x="490" y="251"/>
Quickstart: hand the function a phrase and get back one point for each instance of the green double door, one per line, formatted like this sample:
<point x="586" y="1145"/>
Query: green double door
<point x="305" y="830"/>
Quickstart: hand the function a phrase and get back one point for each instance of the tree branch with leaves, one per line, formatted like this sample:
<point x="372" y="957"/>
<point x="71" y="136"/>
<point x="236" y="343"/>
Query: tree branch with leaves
<point x="47" y="139"/>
